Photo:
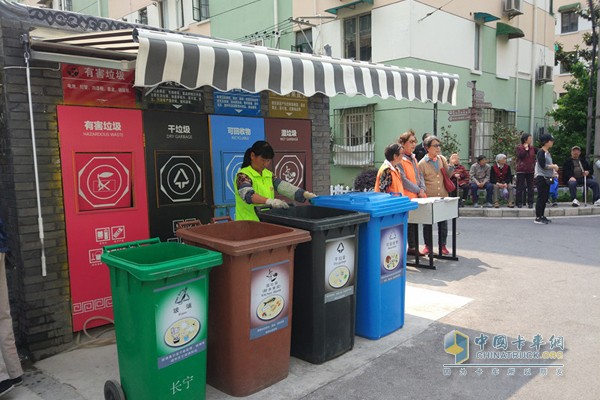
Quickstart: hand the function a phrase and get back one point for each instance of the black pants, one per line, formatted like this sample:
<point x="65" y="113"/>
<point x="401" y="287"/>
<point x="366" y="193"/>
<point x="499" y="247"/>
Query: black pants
<point x="524" y="181"/>
<point x="543" y="189"/>
<point x="442" y="233"/>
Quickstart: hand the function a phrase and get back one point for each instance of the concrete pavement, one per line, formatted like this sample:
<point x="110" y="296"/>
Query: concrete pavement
<point x="513" y="278"/>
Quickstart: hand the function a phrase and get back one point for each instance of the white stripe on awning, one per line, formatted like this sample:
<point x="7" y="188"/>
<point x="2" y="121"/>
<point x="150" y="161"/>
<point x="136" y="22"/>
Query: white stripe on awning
<point x="197" y="61"/>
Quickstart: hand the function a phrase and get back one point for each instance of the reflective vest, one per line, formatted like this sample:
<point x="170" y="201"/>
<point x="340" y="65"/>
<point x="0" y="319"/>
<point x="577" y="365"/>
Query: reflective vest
<point x="262" y="185"/>
<point x="410" y="171"/>
<point x="396" y="185"/>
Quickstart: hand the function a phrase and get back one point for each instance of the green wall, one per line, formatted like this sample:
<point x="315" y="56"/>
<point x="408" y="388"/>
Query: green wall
<point x="235" y="19"/>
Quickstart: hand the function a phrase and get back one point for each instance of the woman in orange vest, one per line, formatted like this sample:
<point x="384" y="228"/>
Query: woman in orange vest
<point x="412" y="181"/>
<point x="388" y="176"/>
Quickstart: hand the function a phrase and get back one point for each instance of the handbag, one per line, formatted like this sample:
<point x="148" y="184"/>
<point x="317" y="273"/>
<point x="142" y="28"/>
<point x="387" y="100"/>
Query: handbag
<point x="448" y="184"/>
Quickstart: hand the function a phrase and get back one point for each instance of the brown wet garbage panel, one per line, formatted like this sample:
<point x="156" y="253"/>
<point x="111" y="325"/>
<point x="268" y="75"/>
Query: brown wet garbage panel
<point x="250" y="302"/>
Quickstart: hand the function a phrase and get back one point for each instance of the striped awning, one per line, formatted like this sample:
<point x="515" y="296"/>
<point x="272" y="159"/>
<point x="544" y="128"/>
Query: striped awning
<point x="193" y="61"/>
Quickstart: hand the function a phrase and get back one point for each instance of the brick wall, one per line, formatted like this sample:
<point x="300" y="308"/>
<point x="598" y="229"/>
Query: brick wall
<point x="41" y="305"/>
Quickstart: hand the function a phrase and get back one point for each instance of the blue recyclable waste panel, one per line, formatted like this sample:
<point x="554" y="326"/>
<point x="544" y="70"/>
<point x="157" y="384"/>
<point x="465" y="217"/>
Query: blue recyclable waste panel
<point x="230" y="137"/>
<point x="381" y="276"/>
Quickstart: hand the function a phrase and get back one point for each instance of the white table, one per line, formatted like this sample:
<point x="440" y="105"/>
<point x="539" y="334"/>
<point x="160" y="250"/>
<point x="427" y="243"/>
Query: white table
<point x="431" y="211"/>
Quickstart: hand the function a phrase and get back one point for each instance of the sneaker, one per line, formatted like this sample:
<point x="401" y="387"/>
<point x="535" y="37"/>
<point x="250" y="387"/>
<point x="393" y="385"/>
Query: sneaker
<point x="496" y="205"/>
<point x="530" y="206"/>
<point x="540" y="221"/>
<point x="476" y="205"/>
<point x="597" y="202"/>
<point x="519" y="206"/>
<point x="511" y="205"/>
<point x="5" y="387"/>
<point x="575" y="203"/>
<point x="546" y="219"/>
<point x="412" y="252"/>
<point x="555" y="204"/>
<point x="18" y="381"/>
<point x="489" y="205"/>
<point x="426" y="251"/>
<point x="445" y="251"/>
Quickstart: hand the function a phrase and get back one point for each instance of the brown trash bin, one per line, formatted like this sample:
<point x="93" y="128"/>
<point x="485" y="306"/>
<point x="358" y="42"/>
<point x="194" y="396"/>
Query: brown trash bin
<point x="250" y="302"/>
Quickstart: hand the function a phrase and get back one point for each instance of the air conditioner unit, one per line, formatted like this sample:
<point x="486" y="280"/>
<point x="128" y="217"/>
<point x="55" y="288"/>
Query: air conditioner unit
<point x="512" y="7"/>
<point x="545" y="73"/>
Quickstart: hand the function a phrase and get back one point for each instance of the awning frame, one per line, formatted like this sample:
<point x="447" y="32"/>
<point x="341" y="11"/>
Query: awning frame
<point x="334" y="10"/>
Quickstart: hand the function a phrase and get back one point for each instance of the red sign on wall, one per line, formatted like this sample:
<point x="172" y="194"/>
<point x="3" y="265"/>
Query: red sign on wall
<point x="94" y="86"/>
<point x="104" y="184"/>
<point x="103" y="181"/>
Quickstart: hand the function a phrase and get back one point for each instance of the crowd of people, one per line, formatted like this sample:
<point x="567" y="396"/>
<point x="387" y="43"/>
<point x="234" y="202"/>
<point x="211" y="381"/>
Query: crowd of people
<point x="418" y="171"/>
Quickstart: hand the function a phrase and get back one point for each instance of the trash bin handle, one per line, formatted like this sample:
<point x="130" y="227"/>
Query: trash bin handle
<point x="188" y="224"/>
<point x="123" y="246"/>
<point x="216" y="220"/>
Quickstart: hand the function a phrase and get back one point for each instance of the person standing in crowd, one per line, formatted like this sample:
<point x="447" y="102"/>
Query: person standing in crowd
<point x="480" y="179"/>
<point x="461" y="179"/>
<point x="543" y="177"/>
<point x="256" y="185"/>
<point x="420" y="150"/>
<point x="388" y="177"/>
<point x="10" y="365"/>
<point x="501" y="177"/>
<point x="430" y="166"/>
<point x="574" y="170"/>
<point x="412" y="182"/>
<point x="525" y="167"/>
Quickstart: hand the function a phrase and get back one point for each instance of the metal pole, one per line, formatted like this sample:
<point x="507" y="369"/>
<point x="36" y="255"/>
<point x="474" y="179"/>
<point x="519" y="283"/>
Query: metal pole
<point x="435" y="118"/>
<point x="35" y="167"/>
<point x="590" y="110"/>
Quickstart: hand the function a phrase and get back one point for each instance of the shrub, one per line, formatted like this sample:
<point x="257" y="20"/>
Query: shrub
<point x="365" y="179"/>
<point x="449" y="140"/>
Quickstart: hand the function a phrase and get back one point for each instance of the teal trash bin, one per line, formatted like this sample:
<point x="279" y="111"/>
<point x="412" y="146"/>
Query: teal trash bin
<point x="160" y="303"/>
<point x="381" y="259"/>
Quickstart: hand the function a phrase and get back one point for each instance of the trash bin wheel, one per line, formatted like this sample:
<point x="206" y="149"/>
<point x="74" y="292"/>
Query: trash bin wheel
<point x="113" y="391"/>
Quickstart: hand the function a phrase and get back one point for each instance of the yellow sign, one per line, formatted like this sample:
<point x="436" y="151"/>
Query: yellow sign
<point x="293" y="105"/>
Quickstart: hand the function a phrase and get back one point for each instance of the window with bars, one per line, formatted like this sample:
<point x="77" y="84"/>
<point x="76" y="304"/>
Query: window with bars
<point x="353" y="136"/>
<point x="143" y="16"/>
<point x="485" y="129"/>
<point x="304" y="41"/>
<point x="569" y="22"/>
<point x="200" y="10"/>
<point x="357" y="37"/>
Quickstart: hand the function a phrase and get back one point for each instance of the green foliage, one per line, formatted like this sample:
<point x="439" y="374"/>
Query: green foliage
<point x="450" y="144"/>
<point x="504" y="140"/>
<point x="570" y="115"/>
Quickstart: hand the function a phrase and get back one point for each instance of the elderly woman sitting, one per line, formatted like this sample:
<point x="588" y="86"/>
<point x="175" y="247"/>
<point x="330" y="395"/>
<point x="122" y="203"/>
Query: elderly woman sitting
<point x="501" y="177"/>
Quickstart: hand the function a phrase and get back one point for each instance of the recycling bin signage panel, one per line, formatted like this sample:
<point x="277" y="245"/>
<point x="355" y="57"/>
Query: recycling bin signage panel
<point x="181" y="320"/>
<point x="230" y="137"/>
<point x="104" y="187"/>
<point x="269" y="299"/>
<point x="340" y="271"/>
<point x="178" y="169"/>
<point x="291" y="139"/>
<point x="392" y="253"/>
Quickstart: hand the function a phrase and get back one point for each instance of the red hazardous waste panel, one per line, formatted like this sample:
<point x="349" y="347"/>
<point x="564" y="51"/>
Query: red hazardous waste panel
<point x="104" y="185"/>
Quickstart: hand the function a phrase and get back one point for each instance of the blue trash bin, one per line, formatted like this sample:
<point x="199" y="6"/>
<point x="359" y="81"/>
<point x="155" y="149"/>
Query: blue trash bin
<point x="381" y="277"/>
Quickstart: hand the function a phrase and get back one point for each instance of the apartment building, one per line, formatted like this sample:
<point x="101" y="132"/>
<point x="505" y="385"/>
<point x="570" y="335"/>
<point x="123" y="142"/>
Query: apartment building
<point x="570" y="29"/>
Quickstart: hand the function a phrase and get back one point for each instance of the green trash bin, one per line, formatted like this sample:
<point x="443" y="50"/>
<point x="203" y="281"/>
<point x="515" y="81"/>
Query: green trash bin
<point x="160" y="304"/>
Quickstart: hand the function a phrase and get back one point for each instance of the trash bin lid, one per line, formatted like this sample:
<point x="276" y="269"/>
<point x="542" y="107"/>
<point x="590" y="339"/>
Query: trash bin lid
<point x="311" y="218"/>
<point x="151" y="259"/>
<point x="375" y="203"/>
<point x="238" y="238"/>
